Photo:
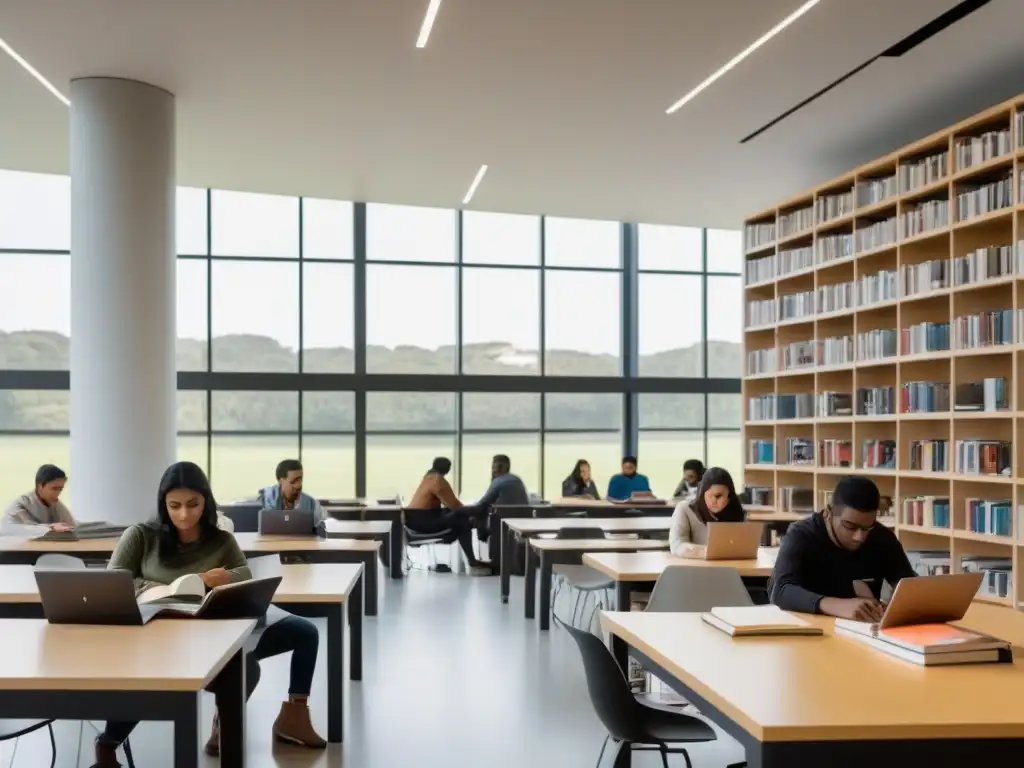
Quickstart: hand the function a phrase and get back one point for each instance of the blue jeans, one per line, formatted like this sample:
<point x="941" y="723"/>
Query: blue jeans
<point x="294" y="634"/>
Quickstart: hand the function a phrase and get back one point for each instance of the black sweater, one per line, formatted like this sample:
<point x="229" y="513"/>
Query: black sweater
<point x="810" y="566"/>
<point x="572" y="487"/>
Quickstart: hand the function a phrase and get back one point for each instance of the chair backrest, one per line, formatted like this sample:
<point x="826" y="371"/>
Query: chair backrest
<point x="581" y="532"/>
<point x="682" y="588"/>
<point x="265" y="566"/>
<point x="60" y="561"/>
<point x="610" y="695"/>
<point x="245" y="516"/>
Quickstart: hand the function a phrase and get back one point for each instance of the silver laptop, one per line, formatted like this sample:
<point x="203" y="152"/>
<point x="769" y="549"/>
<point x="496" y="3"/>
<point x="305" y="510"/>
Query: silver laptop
<point x="286" y="522"/>
<point x="733" y="541"/>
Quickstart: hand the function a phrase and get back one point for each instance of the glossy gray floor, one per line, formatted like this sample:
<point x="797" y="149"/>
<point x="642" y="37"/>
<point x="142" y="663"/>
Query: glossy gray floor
<point x="452" y="679"/>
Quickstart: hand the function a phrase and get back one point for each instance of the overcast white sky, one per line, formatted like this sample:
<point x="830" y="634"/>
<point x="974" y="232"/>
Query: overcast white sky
<point x="405" y="305"/>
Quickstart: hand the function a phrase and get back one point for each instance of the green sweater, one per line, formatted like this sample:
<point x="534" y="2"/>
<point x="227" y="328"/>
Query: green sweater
<point x="139" y="552"/>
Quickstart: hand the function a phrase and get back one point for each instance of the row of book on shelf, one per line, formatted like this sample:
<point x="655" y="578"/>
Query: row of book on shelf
<point x="989" y="395"/>
<point x="968" y="457"/>
<point x="977" y="331"/>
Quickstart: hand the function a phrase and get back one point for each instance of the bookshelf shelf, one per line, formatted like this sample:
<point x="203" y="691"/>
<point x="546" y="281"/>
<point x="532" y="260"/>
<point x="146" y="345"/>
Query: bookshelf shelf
<point x="930" y="240"/>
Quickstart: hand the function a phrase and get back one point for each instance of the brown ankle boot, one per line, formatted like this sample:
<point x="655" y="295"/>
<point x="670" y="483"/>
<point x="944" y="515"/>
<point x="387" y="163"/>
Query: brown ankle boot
<point x="106" y="756"/>
<point x="294" y="726"/>
<point x="212" y="747"/>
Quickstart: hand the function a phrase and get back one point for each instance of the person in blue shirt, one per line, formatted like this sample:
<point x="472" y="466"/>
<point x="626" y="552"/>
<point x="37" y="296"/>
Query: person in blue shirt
<point x="287" y="494"/>
<point x="627" y="482"/>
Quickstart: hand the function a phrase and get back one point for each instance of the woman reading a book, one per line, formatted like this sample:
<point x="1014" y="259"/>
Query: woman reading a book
<point x="184" y="539"/>
<point x="716" y="502"/>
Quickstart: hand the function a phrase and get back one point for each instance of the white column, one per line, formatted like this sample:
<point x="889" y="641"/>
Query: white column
<point x="123" y="383"/>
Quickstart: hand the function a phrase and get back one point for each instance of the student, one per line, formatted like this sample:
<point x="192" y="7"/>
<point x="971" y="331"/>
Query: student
<point x="434" y="490"/>
<point x="693" y="471"/>
<point x="834" y="562"/>
<point x="287" y="494"/>
<point x="183" y="539"/>
<point x="434" y="508"/>
<point x="43" y="505"/>
<point x="716" y="501"/>
<point x="580" y="484"/>
<point x="628" y="482"/>
<point x="505" y="488"/>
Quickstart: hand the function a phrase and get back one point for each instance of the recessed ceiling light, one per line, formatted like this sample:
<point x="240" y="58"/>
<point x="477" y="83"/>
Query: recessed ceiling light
<point x="476" y="183"/>
<point x="428" y="23"/>
<point x="744" y="53"/>
<point x="34" y="72"/>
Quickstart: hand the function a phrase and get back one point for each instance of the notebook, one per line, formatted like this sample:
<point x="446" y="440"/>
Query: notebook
<point x="744" y="621"/>
<point x="929" y="644"/>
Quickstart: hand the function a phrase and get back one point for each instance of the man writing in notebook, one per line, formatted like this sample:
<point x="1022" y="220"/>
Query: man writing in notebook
<point x="835" y="562"/>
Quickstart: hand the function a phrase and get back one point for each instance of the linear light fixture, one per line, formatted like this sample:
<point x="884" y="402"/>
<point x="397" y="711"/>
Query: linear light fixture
<point x="735" y="60"/>
<point x="428" y="23"/>
<point x="34" y="72"/>
<point x="476" y="183"/>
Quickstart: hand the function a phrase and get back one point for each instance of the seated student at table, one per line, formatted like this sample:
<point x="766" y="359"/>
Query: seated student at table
<point x="434" y="508"/>
<point x="580" y="484"/>
<point x="43" y="505"/>
<point x="693" y="471"/>
<point x="627" y="482"/>
<point x="287" y="494"/>
<point x="184" y="538"/>
<point x="715" y="502"/>
<point x="835" y="561"/>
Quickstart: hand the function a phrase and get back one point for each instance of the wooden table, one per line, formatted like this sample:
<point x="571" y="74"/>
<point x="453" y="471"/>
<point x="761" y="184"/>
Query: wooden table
<point x="544" y="553"/>
<point x="832" y="701"/>
<point x="355" y="511"/>
<point x="307" y="549"/>
<point x="319" y="590"/>
<point x="527" y="527"/>
<point x="156" y="672"/>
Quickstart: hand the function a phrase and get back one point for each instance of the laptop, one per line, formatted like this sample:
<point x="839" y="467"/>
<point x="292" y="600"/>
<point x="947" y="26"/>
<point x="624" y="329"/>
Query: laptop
<point x="286" y="522"/>
<point x="107" y="597"/>
<point x="931" y="599"/>
<point x="733" y="541"/>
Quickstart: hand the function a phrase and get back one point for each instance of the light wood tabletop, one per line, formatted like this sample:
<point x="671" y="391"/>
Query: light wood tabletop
<point x="254" y="542"/>
<point x="300" y="583"/>
<point x="23" y="544"/>
<point x="572" y="501"/>
<point x="530" y="525"/>
<point x="161" y="656"/>
<point x="595" y="545"/>
<point x="357" y="528"/>
<point x="647" y="566"/>
<point x="834" y="688"/>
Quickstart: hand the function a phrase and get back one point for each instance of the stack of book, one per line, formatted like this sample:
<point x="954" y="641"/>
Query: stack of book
<point x="876" y="401"/>
<point x="927" y="562"/>
<point x="924" y="397"/>
<point x="997" y="573"/>
<point x="983" y="457"/>
<point x="800" y="451"/>
<point x="929" y="455"/>
<point x="985" y="329"/>
<point x="928" y="644"/>
<point x="835" y="453"/>
<point x="986" y="395"/>
<point x="927" y="511"/>
<point x="992" y="516"/>
<point x="878" y="454"/>
<point x="835" y="404"/>
<point x="761" y="452"/>
<point x="752" y="620"/>
<point x="794" y="499"/>
<point x="924" y="337"/>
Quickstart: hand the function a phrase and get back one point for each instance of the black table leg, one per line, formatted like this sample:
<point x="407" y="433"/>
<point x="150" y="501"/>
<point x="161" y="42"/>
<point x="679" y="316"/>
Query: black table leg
<point x="623" y="592"/>
<point x="335" y="673"/>
<point x="370" y="584"/>
<point x="229" y="689"/>
<point x="530" y="587"/>
<point x="186" y="736"/>
<point x="506" y="550"/>
<point x="355" y="629"/>
<point x="395" y="547"/>
<point x="545" y="591"/>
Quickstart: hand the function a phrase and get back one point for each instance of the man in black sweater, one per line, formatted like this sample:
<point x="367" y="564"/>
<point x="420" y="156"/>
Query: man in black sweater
<point x="836" y="561"/>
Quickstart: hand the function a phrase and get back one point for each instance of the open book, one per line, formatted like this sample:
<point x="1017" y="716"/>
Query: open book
<point x="741" y="621"/>
<point x="239" y="600"/>
<point x="185" y="589"/>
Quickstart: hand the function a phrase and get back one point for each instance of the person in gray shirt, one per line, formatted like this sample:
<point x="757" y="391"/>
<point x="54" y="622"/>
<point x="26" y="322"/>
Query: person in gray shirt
<point x="505" y="488"/>
<point x="41" y="506"/>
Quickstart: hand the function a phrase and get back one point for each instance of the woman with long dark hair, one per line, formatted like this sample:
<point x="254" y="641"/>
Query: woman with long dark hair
<point x="184" y="538"/>
<point x="716" y="502"/>
<point x="580" y="484"/>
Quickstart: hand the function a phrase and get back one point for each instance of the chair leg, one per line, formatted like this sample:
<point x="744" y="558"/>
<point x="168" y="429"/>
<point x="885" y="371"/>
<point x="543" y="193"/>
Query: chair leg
<point x="53" y="746"/>
<point x="127" y="747"/>
<point x="604" y="746"/>
<point x="664" y="758"/>
<point x="576" y="606"/>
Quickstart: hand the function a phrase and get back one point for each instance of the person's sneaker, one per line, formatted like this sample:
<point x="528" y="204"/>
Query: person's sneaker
<point x="106" y="756"/>
<point x="294" y="726"/>
<point x="212" y="747"/>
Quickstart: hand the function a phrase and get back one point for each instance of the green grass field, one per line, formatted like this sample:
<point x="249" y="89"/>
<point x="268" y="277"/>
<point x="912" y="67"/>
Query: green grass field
<point x="394" y="464"/>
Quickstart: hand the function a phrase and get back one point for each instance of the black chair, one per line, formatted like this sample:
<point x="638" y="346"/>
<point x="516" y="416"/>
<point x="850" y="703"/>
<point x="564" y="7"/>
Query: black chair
<point x="630" y="721"/>
<point x="415" y="539"/>
<point x="15" y="729"/>
<point x="244" y="515"/>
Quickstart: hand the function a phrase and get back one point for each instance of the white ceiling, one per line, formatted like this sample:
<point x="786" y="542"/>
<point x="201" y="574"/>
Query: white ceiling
<point x="564" y="99"/>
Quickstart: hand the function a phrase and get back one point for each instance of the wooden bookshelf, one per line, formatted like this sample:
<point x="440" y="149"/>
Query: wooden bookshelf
<point x="848" y="288"/>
